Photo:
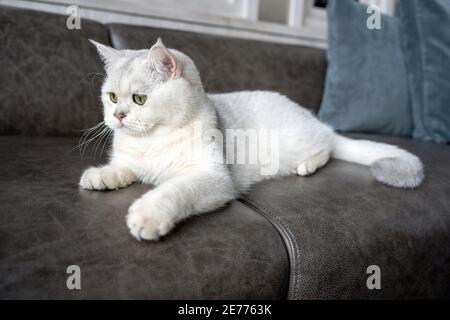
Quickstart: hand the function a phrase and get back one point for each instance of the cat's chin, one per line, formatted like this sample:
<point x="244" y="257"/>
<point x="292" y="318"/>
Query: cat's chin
<point x="130" y="131"/>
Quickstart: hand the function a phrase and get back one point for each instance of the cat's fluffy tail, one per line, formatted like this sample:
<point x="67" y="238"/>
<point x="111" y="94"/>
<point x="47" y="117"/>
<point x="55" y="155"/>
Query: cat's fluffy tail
<point x="389" y="164"/>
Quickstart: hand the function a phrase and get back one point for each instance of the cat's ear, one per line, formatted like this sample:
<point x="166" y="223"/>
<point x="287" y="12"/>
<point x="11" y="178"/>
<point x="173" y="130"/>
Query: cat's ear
<point x="108" y="54"/>
<point x="164" y="61"/>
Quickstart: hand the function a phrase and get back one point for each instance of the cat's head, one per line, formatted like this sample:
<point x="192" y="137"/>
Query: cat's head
<point x="144" y="89"/>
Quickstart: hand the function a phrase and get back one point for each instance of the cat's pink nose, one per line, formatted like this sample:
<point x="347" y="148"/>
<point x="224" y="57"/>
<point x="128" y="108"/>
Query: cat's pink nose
<point x="120" y="116"/>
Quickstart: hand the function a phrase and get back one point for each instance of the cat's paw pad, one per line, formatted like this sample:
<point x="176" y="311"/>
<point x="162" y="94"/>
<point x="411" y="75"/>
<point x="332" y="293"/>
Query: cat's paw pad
<point x="92" y="179"/>
<point x="146" y="224"/>
<point x="310" y="166"/>
<point x="106" y="178"/>
<point x="306" y="169"/>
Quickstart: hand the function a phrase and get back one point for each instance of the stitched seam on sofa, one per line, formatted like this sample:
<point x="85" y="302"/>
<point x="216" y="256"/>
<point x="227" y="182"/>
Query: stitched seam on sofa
<point x="289" y="240"/>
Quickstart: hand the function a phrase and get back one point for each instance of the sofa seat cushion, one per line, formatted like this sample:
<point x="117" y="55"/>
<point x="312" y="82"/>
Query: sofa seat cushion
<point x="340" y="221"/>
<point x="47" y="223"/>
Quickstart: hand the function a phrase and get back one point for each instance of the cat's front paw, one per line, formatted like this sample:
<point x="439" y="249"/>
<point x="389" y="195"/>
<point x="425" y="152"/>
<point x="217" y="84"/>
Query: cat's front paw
<point x="147" y="222"/>
<point x="106" y="178"/>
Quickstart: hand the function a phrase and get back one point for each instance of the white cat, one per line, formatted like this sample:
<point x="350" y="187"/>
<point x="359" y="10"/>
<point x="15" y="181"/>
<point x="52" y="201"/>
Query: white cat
<point x="154" y="99"/>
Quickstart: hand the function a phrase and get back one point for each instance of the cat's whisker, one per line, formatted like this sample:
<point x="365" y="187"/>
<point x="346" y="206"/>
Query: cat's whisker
<point x="108" y="138"/>
<point x="86" y="138"/>
<point x="140" y="129"/>
<point x="89" y="130"/>
<point x="99" y="142"/>
<point x="100" y="123"/>
<point x="86" y="143"/>
<point x="98" y="139"/>
<point x="85" y="135"/>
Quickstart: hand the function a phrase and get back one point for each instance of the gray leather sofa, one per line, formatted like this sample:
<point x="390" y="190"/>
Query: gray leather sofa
<point x="294" y="238"/>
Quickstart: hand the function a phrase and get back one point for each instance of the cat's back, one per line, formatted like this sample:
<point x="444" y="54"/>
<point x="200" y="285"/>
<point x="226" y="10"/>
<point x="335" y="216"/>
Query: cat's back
<point x="257" y="109"/>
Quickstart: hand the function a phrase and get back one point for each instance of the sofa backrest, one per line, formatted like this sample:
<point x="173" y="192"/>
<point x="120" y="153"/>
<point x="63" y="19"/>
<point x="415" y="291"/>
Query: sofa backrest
<point x="51" y="76"/>
<point x="230" y="64"/>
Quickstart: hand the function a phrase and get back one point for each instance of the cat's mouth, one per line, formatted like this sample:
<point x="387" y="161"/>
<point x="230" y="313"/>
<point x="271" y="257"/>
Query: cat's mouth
<point x="130" y="126"/>
<point x="133" y="129"/>
<point x="118" y="126"/>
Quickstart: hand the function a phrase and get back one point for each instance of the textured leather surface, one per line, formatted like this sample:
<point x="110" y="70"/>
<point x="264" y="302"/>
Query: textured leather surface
<point x="339" y="221"/>
<point x="334" y="224"/>
<point x="47" y="224"/>
<point x="228" y="64"/>
<point x="50" y="76"/>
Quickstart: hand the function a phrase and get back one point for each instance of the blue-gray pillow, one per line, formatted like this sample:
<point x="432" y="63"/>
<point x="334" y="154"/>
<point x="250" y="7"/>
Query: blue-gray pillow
<point x="366" y="85"/>
<point x="426" y="46"/>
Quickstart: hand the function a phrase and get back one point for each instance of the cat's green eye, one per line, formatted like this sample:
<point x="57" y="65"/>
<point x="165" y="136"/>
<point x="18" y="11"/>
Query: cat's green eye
<point x="113" y="97"/>
<point x="139" y="99"/>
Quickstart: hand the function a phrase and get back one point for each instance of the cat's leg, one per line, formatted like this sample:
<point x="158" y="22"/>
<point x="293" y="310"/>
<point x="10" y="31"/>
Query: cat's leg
<point x="309" y="166"/>
<point x="156" y="212"/>
<point x="109" y="177"/>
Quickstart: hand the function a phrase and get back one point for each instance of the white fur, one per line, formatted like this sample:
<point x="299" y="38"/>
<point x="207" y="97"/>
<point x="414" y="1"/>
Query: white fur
<point x="154" y="142"/>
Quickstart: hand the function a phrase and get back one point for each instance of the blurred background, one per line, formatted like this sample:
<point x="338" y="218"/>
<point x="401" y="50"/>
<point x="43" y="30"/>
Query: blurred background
<point x="302" y="22"/>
